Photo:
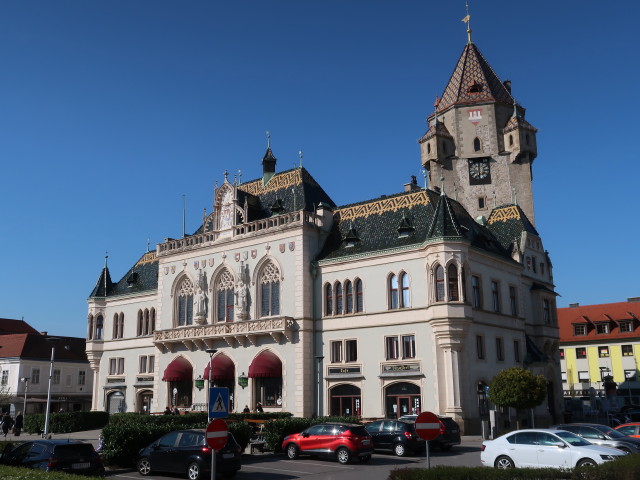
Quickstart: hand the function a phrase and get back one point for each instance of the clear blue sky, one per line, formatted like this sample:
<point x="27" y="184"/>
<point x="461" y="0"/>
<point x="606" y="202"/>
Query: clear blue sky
<point x="110" y="111"/>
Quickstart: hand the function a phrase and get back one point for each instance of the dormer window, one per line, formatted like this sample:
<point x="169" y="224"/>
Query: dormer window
<point x="351" y="239"/>
<point x="405" y="228"/>
<point x="475" y="87"/>
<point x="277" y="207"/>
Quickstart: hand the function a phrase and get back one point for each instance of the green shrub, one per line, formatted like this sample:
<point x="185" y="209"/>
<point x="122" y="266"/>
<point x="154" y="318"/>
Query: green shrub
<point x="14" y="473"/>
<point x="66" y="422"/>
<point x="627" y="468"/>
<point x="276" y="430"/>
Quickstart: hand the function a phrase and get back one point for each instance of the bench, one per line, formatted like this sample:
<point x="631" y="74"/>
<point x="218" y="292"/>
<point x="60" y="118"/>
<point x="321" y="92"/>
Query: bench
<point x="257" y="441"/>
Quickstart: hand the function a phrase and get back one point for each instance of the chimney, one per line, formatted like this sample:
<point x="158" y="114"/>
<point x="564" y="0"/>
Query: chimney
<point x="44" y="333"/>
<point x="507" y="85"/>
<point x="412" y="186"/>
<point x="633" y="299"/>
<point x="574" y="305"/>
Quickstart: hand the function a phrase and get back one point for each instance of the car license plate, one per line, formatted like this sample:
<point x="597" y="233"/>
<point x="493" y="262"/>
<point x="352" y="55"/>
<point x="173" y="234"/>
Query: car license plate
<point x="454" y="430"/>
<point x="365" y="442"/>
<point x="227" y="455"/>
<point x="78" y="466"/>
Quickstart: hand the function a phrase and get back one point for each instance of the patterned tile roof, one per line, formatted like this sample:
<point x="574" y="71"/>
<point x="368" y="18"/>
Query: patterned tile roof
<point x="518" y="122"/>
<point x="142" y="277"/>
<point x="507" y="224"/>
<point x="473" y="81"/>
<point x="380" y="223"/>
<point x="438" y="129"/>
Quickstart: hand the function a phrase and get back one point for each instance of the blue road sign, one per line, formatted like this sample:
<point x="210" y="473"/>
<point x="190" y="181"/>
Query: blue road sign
<point x="218" y="402"/>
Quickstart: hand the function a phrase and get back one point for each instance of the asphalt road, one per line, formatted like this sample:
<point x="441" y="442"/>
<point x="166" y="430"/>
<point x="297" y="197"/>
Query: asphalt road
<point x="277" y="467"/>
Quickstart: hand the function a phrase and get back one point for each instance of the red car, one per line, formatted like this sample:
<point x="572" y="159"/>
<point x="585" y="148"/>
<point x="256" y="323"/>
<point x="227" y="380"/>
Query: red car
<point x="631" y="429"/>
<point x="342" y="441"/>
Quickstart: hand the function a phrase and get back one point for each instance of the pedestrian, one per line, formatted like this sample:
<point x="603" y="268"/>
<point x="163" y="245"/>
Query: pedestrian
<point x="7" y="423"/>
<point x="17" y="427"/>
<point x="176" y="411"/>
<point x="246" y="409"/>
<point x="259" y="408"/>
<point x="167" y="411"/>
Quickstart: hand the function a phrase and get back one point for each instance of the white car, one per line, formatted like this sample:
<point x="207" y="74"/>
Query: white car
<point x="544" y="448"/>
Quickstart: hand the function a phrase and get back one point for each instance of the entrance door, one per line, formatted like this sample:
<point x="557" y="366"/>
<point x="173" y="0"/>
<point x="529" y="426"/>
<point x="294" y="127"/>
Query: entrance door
<point x="144" y="405"/>
<point x="404" y="405"/>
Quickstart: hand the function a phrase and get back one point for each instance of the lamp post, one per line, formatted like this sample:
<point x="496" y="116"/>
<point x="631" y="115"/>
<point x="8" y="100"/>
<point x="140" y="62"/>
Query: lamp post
<point x="211" y="352"/>
<point x="25" y="380"/>
<point x="46" y="416"/>
<point x="319" y="358"/>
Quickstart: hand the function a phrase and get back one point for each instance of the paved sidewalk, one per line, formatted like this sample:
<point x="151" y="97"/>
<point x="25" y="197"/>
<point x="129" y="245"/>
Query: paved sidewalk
<point x="91" y="436"/>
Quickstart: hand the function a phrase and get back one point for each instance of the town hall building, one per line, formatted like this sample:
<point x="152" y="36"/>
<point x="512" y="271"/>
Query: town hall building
<point x="389" y="306"/>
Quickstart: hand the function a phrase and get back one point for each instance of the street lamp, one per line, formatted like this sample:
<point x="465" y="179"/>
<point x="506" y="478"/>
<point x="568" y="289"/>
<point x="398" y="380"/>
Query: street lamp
<point x="25" y="380"/>
<point x="211" y="352"/>
<point x="53" y="356"/>
<point x="319" y="358"/>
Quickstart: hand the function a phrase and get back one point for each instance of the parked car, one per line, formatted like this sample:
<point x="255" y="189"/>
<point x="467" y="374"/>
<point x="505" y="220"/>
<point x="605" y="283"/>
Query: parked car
<point x="397" y="436"/>
<point x="187" y="452"/>
<point x="449" y="432"/>
<point x="342" y="441"/>
<point x="544" y="448"/>
<point x="602" y="435"/>
<point x="69" y="456"/>
<point x="629" y="429"/>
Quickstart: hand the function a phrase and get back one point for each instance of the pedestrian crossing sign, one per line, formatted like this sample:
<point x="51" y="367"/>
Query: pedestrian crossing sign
<point x="218" y="402"/>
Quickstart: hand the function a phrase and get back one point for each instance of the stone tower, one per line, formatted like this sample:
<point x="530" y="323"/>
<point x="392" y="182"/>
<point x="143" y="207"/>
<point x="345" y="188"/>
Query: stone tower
<point x="479" y="147"/>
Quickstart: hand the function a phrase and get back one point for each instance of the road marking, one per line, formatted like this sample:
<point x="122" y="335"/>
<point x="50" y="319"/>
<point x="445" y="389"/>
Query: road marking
<point x="276" y="469"/>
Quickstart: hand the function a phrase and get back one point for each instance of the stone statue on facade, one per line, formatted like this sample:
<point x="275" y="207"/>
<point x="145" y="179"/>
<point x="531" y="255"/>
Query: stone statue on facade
<point x="201" y="299"/>
<point x="242" y="293"/>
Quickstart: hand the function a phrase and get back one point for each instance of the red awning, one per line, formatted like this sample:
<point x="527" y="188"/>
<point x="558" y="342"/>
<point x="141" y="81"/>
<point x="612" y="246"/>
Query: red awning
<point x="178" y="369"/>
<point x="223" y="369"/>
<point x="265" y="365"/>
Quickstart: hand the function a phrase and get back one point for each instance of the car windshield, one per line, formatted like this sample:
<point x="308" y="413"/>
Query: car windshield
<point x="572" y="439"/>
<point x="610" y="432"/>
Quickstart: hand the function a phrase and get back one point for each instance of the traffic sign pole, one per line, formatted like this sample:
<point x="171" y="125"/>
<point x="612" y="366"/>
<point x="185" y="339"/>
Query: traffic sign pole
<point x="427" y="428"/>
<point x="216" y="437"/>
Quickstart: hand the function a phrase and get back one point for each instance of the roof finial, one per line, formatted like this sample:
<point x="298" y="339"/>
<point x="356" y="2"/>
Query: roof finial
<point x="106" y="255"/>
<point x="268" y="139"/>
<point x="515" y="109"/>
<point x="442" y="188"/>
<point x="425" y="172"/>
<point x="225" y="173"/>
<point x="239" y="176"/>
<point x="148" y="244"/>
<point x="300" y="155"/>
<point x="467" y="20"/>
<point x="515" y="196"/>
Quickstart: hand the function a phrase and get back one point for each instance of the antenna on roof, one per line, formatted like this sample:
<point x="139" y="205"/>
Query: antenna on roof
<point x="184" y="214"/>
<point x="467" y="20"/>
<point x="268" y="139"/>
<point x="300" y="155"/>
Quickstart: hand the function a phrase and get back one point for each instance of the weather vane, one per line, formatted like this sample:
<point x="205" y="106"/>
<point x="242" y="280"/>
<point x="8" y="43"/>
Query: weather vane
<point x="467" y="20"/>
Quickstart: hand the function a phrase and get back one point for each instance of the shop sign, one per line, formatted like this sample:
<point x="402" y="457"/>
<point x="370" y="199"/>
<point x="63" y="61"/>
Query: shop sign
<point x="341" y="370"/>
<point x="401" y="367"/>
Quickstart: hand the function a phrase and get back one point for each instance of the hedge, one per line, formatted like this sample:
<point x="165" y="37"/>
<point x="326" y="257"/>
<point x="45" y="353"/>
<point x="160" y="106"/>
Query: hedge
<point x="127" y="433"/>
<point x="626" y="468"/>
<point x="66" y="422"/>
<point x="15" y="473"/>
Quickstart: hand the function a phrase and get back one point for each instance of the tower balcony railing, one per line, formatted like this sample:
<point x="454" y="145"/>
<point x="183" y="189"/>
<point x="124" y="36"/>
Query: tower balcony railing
<point x="257" y="227"/>
<point x="244" y="332"/>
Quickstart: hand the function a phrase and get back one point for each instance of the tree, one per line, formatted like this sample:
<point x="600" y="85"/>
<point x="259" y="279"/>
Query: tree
<point x="518" y="388"/>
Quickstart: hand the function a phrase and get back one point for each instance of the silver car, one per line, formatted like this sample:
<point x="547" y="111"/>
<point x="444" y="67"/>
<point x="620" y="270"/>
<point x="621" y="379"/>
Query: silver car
<point x="602" y="435"/>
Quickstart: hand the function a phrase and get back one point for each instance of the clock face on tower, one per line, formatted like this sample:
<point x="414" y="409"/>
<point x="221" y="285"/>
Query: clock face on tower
<point x="479" y="171"/>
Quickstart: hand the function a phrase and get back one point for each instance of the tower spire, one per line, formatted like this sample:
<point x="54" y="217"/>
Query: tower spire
<point x="467" y="20"/>
<point x="268" y="140"/>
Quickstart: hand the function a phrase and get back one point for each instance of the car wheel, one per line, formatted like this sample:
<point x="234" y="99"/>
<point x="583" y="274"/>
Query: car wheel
<point x="399" y="449"/>
<point x="365" y="459"/>
<point x="194" y="472"/>
<point x="504" y="462"/>
<point x="586" y="462"/>
<point x="144" y="466"/>
<point x="624" y="449"/>
<point x="292" y="451"/>
<point x="343" y="455"/>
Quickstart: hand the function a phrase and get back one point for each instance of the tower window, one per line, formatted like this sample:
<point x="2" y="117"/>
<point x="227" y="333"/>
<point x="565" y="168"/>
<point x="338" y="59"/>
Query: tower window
<point x="482" y="203"/>
<point x="510" y="140"/>
<point x="428" y="147"/>
<point x="526" y="139"/>
<point x="477" y="146"/>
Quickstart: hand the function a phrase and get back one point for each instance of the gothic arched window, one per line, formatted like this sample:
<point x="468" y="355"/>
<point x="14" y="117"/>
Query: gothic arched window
<point x="269" y="290"/>
<point x="99" y="327"/>
<point x="184" y="310"/>
<point x="338" y="298"/>
<point x="328" y="299"/>
<point x="225" y="297"/>
<point x="359" y="297"/>
<point x="439" y="275"/>
<point x="404" y="289"/>
<point x="90" y="328"/>
<point x="393" y="291"/>
<point x="452" y="279"/>
<point x="348" y="292"/>
<point x="477" y="146"/>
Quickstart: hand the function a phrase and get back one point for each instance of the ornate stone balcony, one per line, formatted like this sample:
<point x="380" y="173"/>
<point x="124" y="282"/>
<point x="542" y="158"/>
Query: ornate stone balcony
<point x="200" y="337"/>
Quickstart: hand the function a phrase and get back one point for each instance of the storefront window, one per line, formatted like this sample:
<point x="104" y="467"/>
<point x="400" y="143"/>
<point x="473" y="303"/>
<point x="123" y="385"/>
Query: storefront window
<point x="346" y="400"/>
<point x="402" y="399"/>
<point x="269" y="391"/>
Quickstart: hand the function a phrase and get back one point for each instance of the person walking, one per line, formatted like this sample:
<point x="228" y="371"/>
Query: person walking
<point x="17" y="426"/>
<point x="7" y="423"/>
<point x="259" y="408"/>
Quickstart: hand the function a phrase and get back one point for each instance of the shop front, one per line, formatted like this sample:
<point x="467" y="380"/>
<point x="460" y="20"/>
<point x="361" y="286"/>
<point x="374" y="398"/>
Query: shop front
<point x="179" y="378"/>
<point x="266" y="372"/>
